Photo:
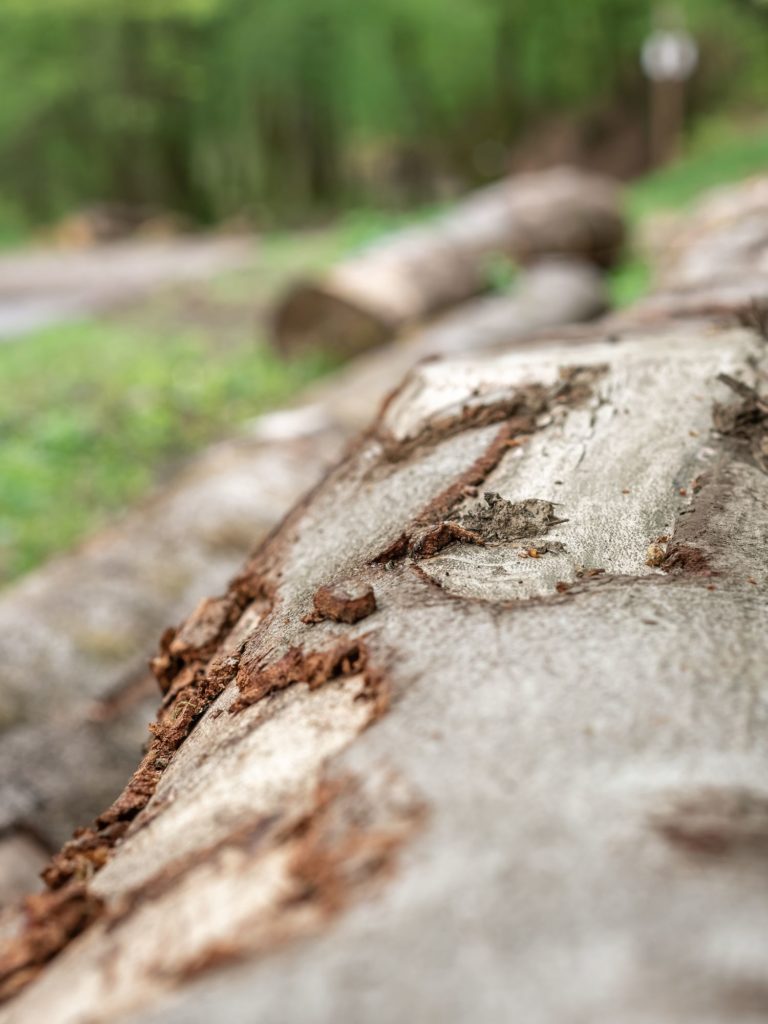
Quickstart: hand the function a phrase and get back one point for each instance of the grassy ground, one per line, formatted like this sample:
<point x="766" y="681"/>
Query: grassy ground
<point x="114" y="406"/>
<point x="93" y="414"/>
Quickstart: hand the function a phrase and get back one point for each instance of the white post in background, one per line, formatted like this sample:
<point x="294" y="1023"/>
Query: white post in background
<point x="669" y="57"/>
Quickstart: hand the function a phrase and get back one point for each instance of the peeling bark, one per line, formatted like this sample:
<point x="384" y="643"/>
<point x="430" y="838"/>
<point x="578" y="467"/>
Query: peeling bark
<point x="344" y="602"/>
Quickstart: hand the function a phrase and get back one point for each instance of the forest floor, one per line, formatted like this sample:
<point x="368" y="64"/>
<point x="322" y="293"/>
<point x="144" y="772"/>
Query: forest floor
<point x="150" y="351"/>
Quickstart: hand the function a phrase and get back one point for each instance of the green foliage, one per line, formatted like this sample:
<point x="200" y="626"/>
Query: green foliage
<point x="629" y="281"/>
<point x="500" y="272"/>
<point x="184" y="9"/>
<point x="277" y="108"/>
<point x="91" y="414"/>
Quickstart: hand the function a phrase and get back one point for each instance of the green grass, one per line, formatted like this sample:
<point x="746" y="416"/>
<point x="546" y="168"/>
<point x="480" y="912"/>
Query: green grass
<point x="629" y="281"/>
<point x="91" y="414"/>
<point x="94" y="414"/>
<point x="717" y="153"/>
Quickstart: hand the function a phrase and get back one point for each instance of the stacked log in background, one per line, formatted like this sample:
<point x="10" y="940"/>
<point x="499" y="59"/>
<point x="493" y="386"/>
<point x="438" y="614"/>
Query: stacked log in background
<point x="400" y="281"/>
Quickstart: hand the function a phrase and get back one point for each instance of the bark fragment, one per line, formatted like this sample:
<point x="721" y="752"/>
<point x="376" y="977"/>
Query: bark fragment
<point x="191" y="679"/>
<point x="344" y="658"/>
<point x="348" y="601"/>
<point x="517" y="407"/>
<point x="754" y="315"/>
<point x="717" y="821"/>
<point x="434" y="528"/>
<point x="427" y="541"/>
<point x="498" y="520"/>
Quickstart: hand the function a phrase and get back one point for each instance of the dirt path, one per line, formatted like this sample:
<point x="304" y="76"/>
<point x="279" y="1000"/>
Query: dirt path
<point x="40" y="287"/>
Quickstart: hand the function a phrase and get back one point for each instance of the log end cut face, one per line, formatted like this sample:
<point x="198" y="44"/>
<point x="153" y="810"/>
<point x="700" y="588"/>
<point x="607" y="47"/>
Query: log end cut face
<point x="315" y="318"/>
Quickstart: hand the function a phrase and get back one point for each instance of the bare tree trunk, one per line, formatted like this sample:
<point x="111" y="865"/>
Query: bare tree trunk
<point x="399" y="281"/>
<point x="482" y="724"/>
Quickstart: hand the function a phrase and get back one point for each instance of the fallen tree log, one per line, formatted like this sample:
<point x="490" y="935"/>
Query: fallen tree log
<point x="84" y="628"/>
<point x="549" y="293"/>
<point x="510" y="766"/>
<point x="406" y="277"/>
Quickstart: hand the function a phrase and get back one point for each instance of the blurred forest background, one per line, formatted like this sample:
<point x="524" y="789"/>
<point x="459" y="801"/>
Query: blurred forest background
<point x="282" y="110"/>
<point x="309" y="126"/>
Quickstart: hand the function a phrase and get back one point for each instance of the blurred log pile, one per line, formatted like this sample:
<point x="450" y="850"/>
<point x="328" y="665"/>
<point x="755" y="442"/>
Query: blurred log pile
<point x="512" y="764"/>
<point x="402" y="280"/>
